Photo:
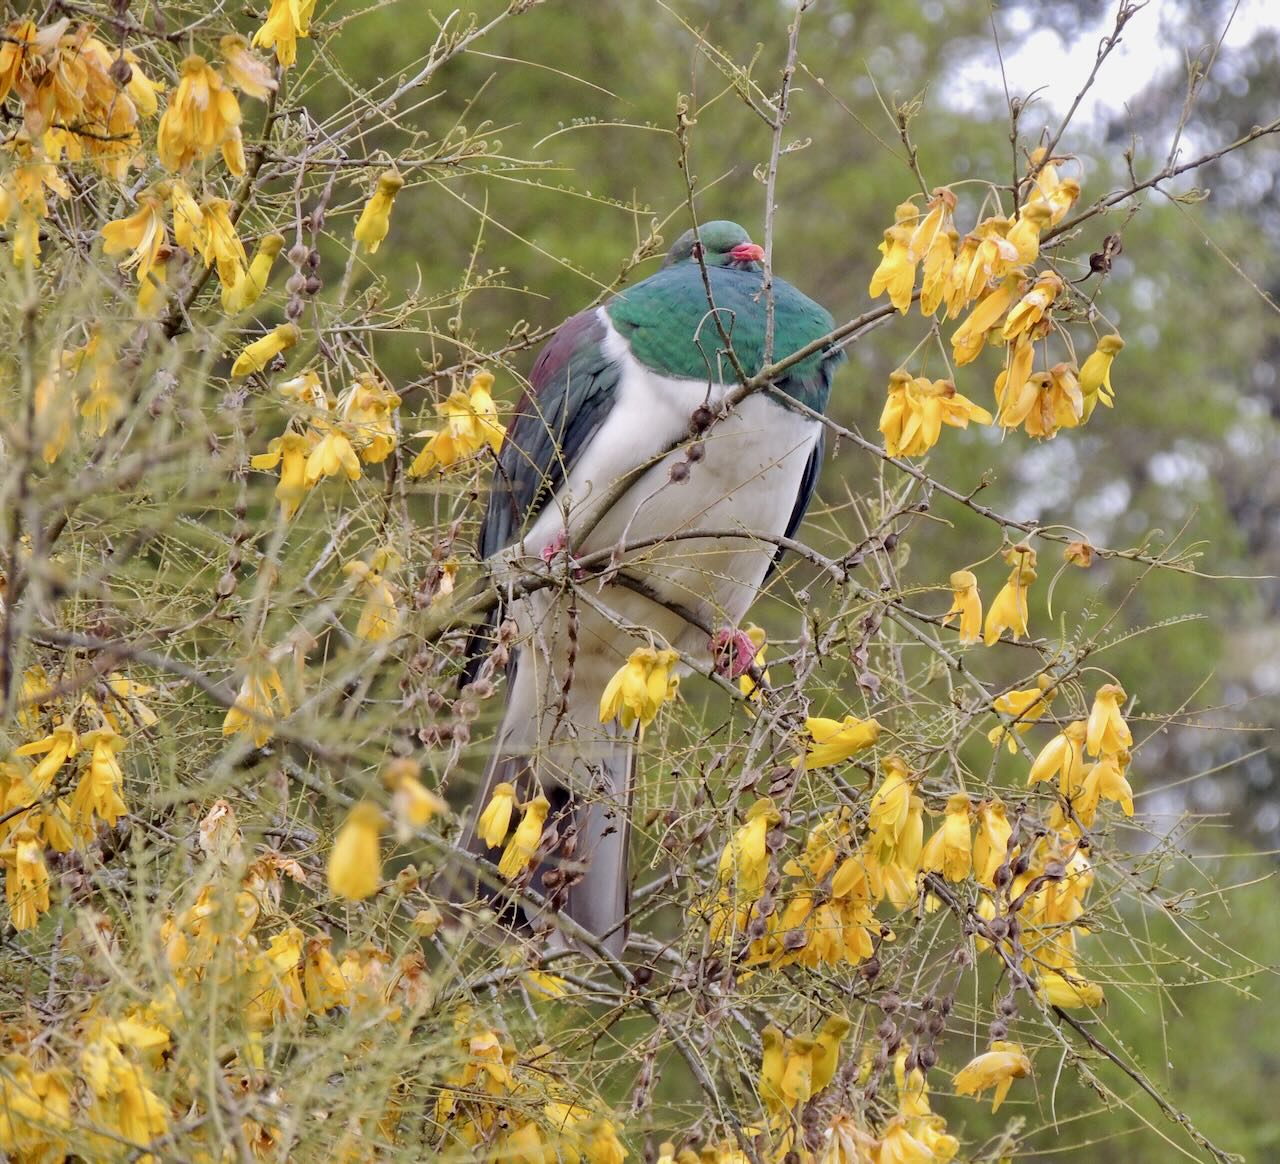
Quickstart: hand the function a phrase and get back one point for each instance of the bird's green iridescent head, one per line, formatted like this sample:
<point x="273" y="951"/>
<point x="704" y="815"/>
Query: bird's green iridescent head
<point x="723" y="244"/>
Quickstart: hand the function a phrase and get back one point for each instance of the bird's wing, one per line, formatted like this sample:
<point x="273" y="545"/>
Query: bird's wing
<point x="572" y="387"/>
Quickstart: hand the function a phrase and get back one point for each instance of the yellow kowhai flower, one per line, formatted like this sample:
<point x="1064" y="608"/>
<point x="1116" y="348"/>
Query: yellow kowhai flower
<point x="100" y="791"/>
<point x="286" y="23"/>
<point x="890" y="809"/>
<point x="261" y="701"/>
<point x="916" y="410"/>
<point x="188" y="219"/>
<point x="797" y="1071"/>
<point x="262" y="351"/>
<point x="102" y="403"/>
<point x="152" y="291"/>
<point x="1033" y="306"/>
<point x="896" y="273"/>
<point x="57" y="747"/>
<point x="772" y="1062"/>
<point x="368" y="409"/>
<point x="412" y="804"/>
<point x="525" y="840"/>
<point x="1062" y="758"/>
<point x="1107" y="731"/>
<point x="967" y="604"/>
<point x="143" y="233"/>
<point x="968" y="340"/>
<point x="640" y="687"/>
<point x="243" y="70"/>
<point x="1010" y="609"/>
<point x="248" y="288"/>
<point x="381" y="617"/>
<point x="987" y="256"/>
<point x="1025" y="707"/>
<point x="1024" y="235"/>
<point x="53" y="407"/>
<point x="991" y="846"/>
<point x="375" y="218"/>
<point x="470" y="424"/>
<point x="950" y="849"/>
<point x="495" y="820"/>
<point x="935" y="276"/>
<point x="847" y="1143"/>
<point x="289" y="451"/>
<point x="937" y="221"/>
<point x="203" y="115"/>
<point x="834" y="740"/>
<point x="355" y="863"/>
<point x="1106" y="780"/>
<point x="827" y="1054"/>
<point x="323" y="985"/>
<point x="333" y="454"/>
<point x="1095" y="376"/>
<point x="745" y="860"/>
<point x="20" y="53"/>
<point x="218" y="243"/>
<point x="996" y="1068"/>
<point x="899" y="1146"/>
<point x="1069" y="992"/>
<point x="1055" y="193"/>
<point x="26" y="881"/>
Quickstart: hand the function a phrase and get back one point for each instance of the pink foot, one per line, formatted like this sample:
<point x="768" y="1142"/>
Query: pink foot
<point x="732" y="652"/>
<point x="560" y="545"/>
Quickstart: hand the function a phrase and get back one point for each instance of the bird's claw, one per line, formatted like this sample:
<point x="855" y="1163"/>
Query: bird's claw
<point x="732" y="652"/>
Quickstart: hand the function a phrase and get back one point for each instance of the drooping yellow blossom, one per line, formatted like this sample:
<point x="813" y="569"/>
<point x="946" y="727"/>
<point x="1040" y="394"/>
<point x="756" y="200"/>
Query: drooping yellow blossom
<point x="143" y="233"/>
<point x="368" y="407"/>
<point x="916" y="410"/>
<point x="218" y="243"/>
<point x="20" y="52"/>
<point x="26" y="879"/>
<point x="262" y="351"/>
<point x="835" y="741"/>
<point x="744" y="864"/>
<point x="1033" y="306"/>
<point x="332" y="455"/>
<point x="203" y="116"/>
<point x="847" y="1143"/>
<point x="986" y="258"/>
<point x="495" y="820"/>
<point x="826" y="1057"/>
<point x="1025" y="707"/>
<point x="381" y="616"/>
<point x="375" y="218"/>
<point x="470" y="424"/>
<point x="950" y="850"/>
<point x="355" y="862"/>
<point x="640" y="687"/>
<point x="1051" y="190"/>
<point x="1107" y="731"/>
<point x="772" y="1061"/>
<point x="890" y="808"/>
<point x="1063" y="758"/>
<point x="101" y="789"/>
<point x="286" y="23"/>
<point x="188" y="219"/>
<point x="991" y="845"/>
<point x="289" y="451"/>
<point x="1025" y="234"/>
<point x="1095" y="376"/>
<point x="967" y="604"/>
<point x="896" y="273"/>
<point x="1105" y="780"/>
<point x="243" y="70"/>
<point x="996" y="1068"/>
<point x="1069" y="992"/>
<point x="261" y="701"/>
<point x="102" y="403"/>
<point x="412" y="803"/>
<point x="248" y="289"/>
<point x="968" y="340"/>
<point x="323" y="984"/>
<point x="1010" y="610"/>
<point x="899" y="1146"/>
<point x="525" y="840"/>
<point x="933" y="243"/>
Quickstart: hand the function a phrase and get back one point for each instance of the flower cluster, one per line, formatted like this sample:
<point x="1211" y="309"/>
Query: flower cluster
<point x="640" y="687"/>
<point x="58" y="801"/>
<point x="323" y="438"/>
<point x="1009" y="612"/>
<point x="991" y="274"/>
<point x="470" y="425"/>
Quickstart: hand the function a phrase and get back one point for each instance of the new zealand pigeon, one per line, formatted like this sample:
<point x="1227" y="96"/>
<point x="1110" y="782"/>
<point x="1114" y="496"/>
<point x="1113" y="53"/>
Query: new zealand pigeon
<point x="613" y="390"/>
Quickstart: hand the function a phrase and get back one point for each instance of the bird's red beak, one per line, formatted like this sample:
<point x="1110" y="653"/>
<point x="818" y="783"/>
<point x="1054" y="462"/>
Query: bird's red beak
<point x="747" y="253"/>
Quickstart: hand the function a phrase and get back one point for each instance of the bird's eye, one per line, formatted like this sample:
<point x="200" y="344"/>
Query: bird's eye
<point x="696" y="250"/>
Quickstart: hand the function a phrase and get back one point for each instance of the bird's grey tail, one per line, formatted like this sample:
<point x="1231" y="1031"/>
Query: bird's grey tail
<point x="586" y="772"/>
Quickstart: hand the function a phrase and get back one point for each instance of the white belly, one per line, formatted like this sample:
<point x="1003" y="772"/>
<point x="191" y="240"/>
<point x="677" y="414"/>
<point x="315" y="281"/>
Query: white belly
<point x="746" y="483"/>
